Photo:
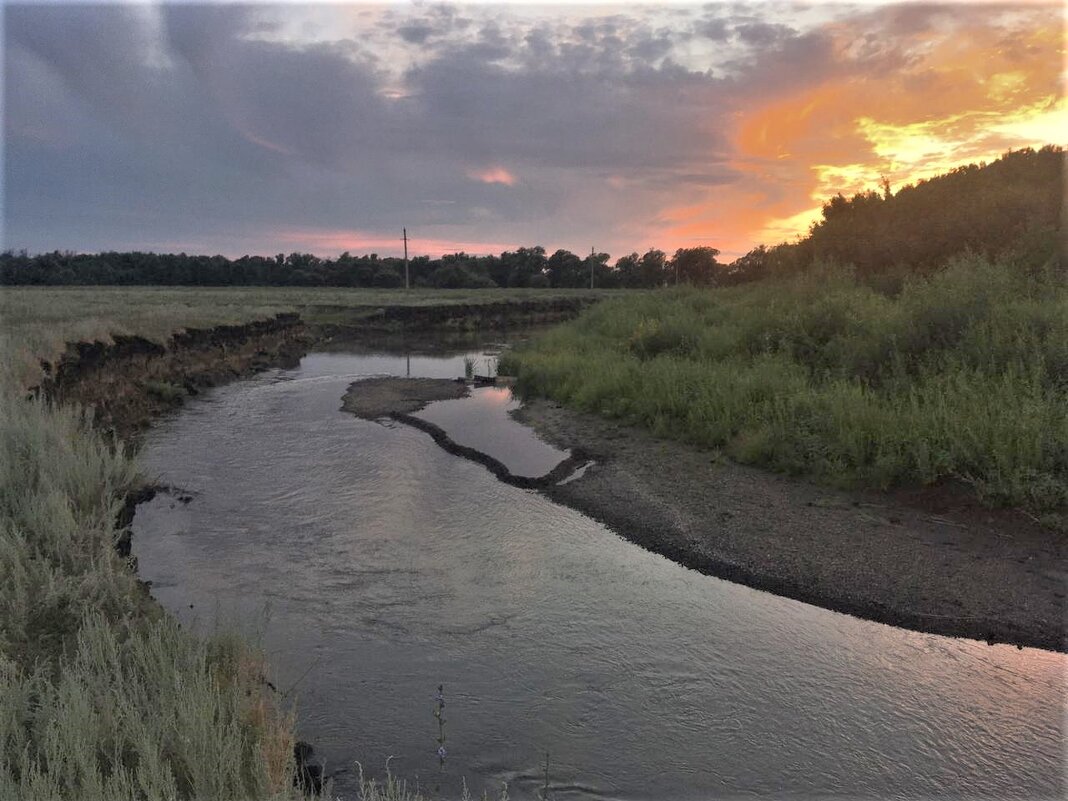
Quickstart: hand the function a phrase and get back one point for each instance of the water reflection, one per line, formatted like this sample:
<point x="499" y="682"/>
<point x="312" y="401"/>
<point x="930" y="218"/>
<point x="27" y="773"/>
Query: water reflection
<point x="482" y="421"/>
<point x="391" y="566"/>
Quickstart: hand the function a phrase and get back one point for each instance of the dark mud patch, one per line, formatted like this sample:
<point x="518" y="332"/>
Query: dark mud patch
<point x="399" y="398"/>
<point x="374" y="398"/>
<point x="985" y="577"/>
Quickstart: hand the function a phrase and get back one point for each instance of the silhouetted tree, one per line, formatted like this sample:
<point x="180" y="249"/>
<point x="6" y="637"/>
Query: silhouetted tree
<point x="565" y="269"/>
<point x="697" y="266"/>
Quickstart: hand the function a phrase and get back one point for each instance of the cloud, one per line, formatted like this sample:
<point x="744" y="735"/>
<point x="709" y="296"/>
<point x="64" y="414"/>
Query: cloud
<point x="714" y="29"/>
<point x="492" y="175"/>
<point x="415" y="33"/>
<point x="245" y="128"/>
<point x="762" y="34"/>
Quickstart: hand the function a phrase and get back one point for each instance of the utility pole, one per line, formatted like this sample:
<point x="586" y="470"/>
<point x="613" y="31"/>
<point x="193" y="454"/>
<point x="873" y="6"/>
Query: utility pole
<point x="591" y="266"/>
<point x="407" y="285"/>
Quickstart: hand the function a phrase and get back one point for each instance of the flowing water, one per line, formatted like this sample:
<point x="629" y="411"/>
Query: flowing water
<point x="387" y="566"/>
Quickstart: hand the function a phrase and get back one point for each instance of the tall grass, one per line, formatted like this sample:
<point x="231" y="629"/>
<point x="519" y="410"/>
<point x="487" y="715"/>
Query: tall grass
<point x="961" y="374"/>
<point x="102" y="696"/>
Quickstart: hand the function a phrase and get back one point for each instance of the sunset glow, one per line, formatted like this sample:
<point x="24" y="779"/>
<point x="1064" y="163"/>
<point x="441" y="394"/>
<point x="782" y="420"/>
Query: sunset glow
<point x="964" y="93"/>
<point x="482" y="128"/>
<point x="492" y="175"/>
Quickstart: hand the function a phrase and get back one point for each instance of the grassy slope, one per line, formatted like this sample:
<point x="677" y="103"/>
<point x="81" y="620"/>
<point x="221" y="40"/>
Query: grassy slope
<point x="964" y="374"/>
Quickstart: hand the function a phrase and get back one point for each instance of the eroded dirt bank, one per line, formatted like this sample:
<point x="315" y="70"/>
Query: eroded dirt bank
<point x="960" y="572"/>
<point x="128" y="381"/>
<point x="342" y="321"/>
<point x="399" y="398"/>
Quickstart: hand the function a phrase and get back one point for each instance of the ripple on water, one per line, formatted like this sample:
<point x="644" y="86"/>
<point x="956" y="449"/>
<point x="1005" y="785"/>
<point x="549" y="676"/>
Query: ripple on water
<point x="390" y="566"/>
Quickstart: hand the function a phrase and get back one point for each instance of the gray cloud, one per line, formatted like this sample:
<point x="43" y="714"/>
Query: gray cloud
<point x="127" y="127"/>
<point x="715" y="29"/>
<point x="762" y="34"/>
<point x="415" y="33"/>
<point x="189" y="124"/>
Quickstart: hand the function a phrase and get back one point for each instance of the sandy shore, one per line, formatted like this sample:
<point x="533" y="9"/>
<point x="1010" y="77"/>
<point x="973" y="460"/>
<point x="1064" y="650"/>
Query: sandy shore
<point x="961" y="571"/>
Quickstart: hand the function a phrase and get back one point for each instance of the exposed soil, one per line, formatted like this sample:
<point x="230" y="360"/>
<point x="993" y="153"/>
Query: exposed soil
<point x="130" y="380"/>
<point x="344" y="321"/>
<point x="374" y="398"/>
<point x="399" y="398"/>
<point x="963" y="571"/>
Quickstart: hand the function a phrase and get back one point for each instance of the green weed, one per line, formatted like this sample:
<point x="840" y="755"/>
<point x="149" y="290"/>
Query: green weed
<point x="962" y="375"/>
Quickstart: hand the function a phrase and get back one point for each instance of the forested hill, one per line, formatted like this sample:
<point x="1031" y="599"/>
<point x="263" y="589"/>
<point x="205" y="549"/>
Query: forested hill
<point x="1012" y="205"/>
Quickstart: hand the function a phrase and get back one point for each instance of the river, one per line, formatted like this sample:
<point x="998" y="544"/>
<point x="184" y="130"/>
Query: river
<point x="376" y="566"/>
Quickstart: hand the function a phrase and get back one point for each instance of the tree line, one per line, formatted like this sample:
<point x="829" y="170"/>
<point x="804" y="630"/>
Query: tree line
<point x="1012" y="205"/>
<point x="523" y="267"/>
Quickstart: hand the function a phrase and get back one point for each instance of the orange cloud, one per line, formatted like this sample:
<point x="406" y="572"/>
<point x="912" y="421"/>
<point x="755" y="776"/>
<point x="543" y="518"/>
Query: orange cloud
<point x="492" y="175"/>
<point x="966" y="90"/>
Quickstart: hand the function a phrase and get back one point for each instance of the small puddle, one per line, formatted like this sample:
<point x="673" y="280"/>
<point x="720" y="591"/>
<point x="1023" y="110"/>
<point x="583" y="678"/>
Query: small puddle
<point x="483" y="421"/>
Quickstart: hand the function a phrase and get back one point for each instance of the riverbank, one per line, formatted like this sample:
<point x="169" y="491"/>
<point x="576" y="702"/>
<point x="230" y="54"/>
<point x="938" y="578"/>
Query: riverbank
<point x="935" y="561"/>
<point x="942" y="565"/>
<point x="956" y="376"/>
<point x="40" y="323"/>
<point x="101" y="692"/>
<point x="132" y="353"/>
<point x="400" y="398"/>
<point x="130" y="380"/>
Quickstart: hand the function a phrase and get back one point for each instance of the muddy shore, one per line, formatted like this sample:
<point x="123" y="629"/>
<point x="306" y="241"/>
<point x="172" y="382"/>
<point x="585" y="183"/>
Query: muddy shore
<point x="373" y="398"/>
<point x="399" y="398"/>
<point x="951" y="570"/>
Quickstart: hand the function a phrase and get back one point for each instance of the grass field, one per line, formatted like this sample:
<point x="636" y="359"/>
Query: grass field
<point x="961" y="375"/>
<point x="37" y="322"/>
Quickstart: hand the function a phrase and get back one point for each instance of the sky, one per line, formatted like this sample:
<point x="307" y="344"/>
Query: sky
<point x="261" y="129"/>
